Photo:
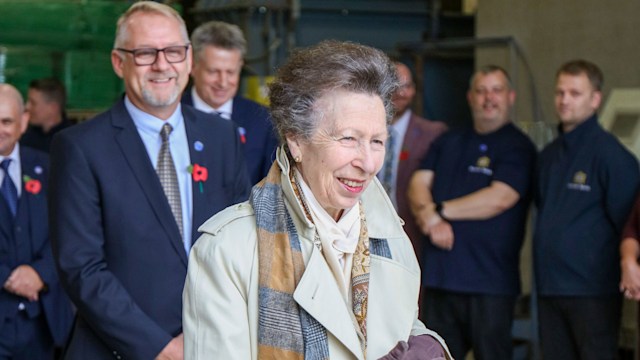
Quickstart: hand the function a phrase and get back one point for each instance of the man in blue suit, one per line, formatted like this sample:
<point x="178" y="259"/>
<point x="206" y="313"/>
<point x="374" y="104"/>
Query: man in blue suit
<point x="129" y="190"/>
<point x="219" y="49"/>
<point x="35" y="314"/>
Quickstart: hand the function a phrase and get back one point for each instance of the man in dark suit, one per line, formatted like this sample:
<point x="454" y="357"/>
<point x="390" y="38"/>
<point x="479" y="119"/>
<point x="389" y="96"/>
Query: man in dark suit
<point x="219" y="49"/>
<point x="129" y="190"/>
<point x="35" y="314"/>
<point x="414" y="136"/>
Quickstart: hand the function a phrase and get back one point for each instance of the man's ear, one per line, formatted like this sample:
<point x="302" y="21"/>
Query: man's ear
<point x="24" y="121"/>
<point x="117" y="63"/>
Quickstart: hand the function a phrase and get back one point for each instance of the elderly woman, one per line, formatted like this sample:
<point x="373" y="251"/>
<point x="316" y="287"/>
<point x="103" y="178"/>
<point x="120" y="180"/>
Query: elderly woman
<point x="316" y="264"/>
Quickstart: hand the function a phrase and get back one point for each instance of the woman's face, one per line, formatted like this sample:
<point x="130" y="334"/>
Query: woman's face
<point x="346" y="150"/>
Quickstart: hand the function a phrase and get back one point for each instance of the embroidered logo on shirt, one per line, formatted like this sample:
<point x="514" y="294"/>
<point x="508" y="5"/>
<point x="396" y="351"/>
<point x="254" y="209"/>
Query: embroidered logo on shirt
<point x="482" y="166"/>
<point x="579" y="182"/>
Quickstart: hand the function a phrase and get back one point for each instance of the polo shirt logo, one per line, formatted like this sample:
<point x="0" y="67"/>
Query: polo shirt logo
<point x="579" y="182"/>
<point x="482" y="166"/>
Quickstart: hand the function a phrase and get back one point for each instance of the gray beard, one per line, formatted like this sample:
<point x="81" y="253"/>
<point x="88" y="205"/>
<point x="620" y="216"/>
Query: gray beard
<point x="152" y="100"/>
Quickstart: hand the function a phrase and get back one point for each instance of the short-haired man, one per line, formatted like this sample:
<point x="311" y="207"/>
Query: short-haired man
<point x="130" y="189"/>
<point x="219" y="49"/>
<point x="586" y="185"/>
<point x="471" y="198"/>
<point x="35" y="314"/>
<point x="46" y="102"/>
<point x="410" y="137"/>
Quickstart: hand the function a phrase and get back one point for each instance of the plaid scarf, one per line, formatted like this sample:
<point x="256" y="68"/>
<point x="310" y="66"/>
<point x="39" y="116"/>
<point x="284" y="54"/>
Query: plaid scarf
<point x="286" y="331"/>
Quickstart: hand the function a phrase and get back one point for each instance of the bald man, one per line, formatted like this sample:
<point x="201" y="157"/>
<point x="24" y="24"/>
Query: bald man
<point x="35" y="314"/>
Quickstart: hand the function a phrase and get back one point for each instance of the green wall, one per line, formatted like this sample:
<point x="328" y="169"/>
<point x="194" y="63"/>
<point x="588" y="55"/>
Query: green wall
<point x="70" y="40"/>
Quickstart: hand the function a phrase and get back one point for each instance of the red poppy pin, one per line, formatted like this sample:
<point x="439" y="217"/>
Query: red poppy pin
<point x="404" y="155"/>
<point x="32" y="186"/>
<point x="199" y="174"/>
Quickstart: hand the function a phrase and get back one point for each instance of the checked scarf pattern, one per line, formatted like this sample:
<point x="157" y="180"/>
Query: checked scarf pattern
<point x="286" y="331"/>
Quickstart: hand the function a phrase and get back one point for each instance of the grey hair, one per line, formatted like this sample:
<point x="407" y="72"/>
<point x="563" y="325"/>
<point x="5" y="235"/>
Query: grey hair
<point x="149" y="7"/>
<point x="490" y="69"/>
<point x="313" y="72"/>
<point x="219" y="34"/>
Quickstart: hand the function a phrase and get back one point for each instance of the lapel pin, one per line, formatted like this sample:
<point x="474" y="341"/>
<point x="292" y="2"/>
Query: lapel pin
<point x="243" y="133"/>
<point x="38" y="170"/>
<point x="198" y="146"/>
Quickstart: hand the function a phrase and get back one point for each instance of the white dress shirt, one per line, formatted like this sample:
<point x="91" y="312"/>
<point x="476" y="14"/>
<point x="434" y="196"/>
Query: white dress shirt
<point x="225" y="110"/>
<point x="15" y="170"/>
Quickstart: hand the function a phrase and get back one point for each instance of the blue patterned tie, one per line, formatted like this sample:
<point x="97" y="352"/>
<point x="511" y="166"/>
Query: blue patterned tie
<point x="387" y="177"/>
<point x="8" y="188"/>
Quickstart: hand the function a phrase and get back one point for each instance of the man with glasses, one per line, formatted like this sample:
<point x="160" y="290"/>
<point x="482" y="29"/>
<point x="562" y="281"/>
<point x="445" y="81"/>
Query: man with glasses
<point x="129" y="190"/>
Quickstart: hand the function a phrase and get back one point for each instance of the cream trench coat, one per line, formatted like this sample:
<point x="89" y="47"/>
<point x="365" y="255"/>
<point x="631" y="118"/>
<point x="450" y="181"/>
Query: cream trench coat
<point x="220" y="314"/>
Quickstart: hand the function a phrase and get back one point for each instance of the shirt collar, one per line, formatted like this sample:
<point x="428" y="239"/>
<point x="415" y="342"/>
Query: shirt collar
<point x="15" y="171"/>
<point x="573" y="137"/>
<point x="14" y="155"/>
<point x="401" y="125"/>
<point x="225" y="110"/>
<point x="150" y="124"/>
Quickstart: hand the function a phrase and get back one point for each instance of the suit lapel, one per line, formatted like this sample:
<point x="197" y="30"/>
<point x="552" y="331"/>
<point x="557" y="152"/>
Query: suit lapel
<point x="410" y="137"/>
<point x="6" y="222"/>
<point x="238" y="113"/>
<point x="317" y="292"/>
<point x="135" y="153"/>
<point x="33" y="201"/>
<point x="200" y="195"/>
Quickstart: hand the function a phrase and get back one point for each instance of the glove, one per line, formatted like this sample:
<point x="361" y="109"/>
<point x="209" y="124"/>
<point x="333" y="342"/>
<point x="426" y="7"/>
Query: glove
<point x="398" y="351"/>
<point x="422" y="347"/>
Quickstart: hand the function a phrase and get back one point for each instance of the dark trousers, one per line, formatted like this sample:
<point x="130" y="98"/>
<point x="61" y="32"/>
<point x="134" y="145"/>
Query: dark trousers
<point x="25" y="339"/>
<point x="481" y="323"/>
<point x="579" y="327"/>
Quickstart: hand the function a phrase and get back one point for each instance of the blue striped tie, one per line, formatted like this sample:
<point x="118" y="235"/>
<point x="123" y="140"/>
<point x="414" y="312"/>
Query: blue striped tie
<point x="8" y="188"/>
<point x="389" y="159"/>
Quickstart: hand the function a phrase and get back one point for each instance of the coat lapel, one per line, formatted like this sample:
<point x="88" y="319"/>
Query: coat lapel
<point x="317" y="292"/>
<point x="135" y="153"/>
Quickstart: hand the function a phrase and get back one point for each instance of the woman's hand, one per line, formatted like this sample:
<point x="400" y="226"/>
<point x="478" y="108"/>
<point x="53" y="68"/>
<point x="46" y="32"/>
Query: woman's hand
<point x="421" y="347"/>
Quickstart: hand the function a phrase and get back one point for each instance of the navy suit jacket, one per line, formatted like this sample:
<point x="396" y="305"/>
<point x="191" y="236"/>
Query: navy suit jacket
<point x="30" y="225"/>
<point x="260" y="141"/>
<point x="117" y="246"/>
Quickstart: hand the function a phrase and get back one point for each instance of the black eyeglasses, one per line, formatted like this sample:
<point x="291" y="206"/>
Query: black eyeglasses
<point x="148" y="56"/>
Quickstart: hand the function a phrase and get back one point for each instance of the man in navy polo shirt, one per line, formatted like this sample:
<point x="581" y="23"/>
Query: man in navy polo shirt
<point x="586" y="185"/>
<point x="471" y="198"/>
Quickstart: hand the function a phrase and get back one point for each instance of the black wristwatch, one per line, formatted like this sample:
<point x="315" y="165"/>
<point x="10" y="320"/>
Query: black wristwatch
<point x="439" y="208"/>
